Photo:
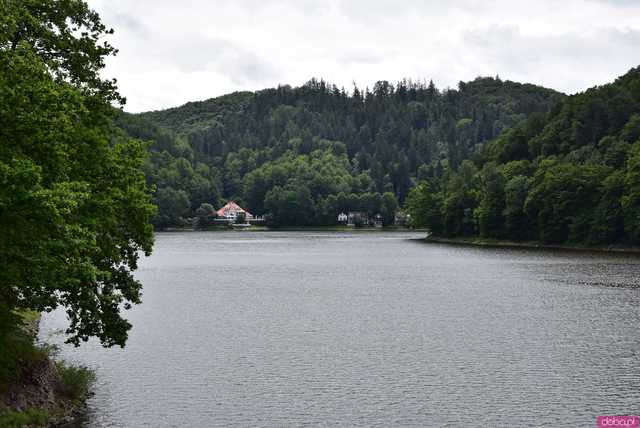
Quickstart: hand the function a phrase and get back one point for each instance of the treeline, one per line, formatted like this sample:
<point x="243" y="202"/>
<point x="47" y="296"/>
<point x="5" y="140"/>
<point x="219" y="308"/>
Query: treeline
<point x="569" y="176"/>
<point x="306" y="148"/>
<point x="179" y="182"/>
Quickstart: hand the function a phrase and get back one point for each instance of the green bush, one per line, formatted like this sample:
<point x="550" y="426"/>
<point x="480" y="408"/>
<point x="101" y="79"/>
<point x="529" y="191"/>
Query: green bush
<point x="74" y="380"/>
<point x="18" y="354"/>
<point x="27" y="417"/>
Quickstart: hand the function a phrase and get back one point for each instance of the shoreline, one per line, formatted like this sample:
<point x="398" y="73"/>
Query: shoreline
<point x="51" y="393"/>
<point x="296" y="229"/>
<point x="532" y="245"/>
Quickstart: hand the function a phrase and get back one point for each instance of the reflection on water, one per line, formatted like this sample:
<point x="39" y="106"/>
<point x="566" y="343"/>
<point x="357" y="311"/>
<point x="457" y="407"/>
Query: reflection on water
<point x="369" y="329"/>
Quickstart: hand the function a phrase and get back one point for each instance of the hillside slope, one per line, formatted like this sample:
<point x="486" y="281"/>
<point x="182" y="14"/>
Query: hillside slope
<point x="318" y="150"/>
<point x="571" y="176"/>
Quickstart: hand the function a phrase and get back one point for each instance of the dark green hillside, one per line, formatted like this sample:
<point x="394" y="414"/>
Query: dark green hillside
<point x="201" y="114"/>
<point x="374" y="144"/>
<point x="569" y="176"/>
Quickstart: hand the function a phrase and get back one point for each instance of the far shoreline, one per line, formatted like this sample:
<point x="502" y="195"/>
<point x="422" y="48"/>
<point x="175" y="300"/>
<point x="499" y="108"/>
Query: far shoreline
<point x="461" y="241"/>
<point x="293" y="229"/>
<point x="532" y="245"/>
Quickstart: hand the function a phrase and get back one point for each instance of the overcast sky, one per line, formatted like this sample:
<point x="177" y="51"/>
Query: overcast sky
<point x="173" y="51"/>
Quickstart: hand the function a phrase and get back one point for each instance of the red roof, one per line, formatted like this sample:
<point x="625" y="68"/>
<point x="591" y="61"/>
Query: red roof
<point x="231" y="206"/>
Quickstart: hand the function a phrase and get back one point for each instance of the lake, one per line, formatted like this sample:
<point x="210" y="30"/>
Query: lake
<point x="368" y="329"/>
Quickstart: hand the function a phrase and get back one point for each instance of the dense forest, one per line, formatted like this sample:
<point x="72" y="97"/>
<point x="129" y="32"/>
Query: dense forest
<point x="571" y="175"/>
<point x="302" y="155"/>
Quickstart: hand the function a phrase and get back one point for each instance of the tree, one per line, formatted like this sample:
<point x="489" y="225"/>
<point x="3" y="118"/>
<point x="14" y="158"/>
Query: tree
<point x="517" y="225"/>
<point x="561" y="200"/>
<point x="74" y="206"/>
<point x="172" y="206"/>
<point x="631" y="198"/>
<point x="389" y="206"/>
<point x="425" y="207"/>
<point x="608" y="219"/>
<point x="492" y="204"/>
<point x="460" y="202"/>
<point x="291" y="205"/>
<point x="205" y="216"/>
<point x="316" y="135"/>
<point x="65" y="37"/>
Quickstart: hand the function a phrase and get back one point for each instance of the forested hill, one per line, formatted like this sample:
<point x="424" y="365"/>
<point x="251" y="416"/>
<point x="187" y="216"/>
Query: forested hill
<point x="571" y="176"/>
<point x="304" y="154"/>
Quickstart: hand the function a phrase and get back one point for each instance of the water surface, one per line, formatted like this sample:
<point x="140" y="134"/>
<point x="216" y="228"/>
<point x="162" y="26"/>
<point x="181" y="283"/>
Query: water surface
<point x="368" y="329"/>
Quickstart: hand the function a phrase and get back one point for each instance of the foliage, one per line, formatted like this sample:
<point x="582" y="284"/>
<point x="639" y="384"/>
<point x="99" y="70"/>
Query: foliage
<point x="424" y="204"/>
<point x="74" y="381"/>
<point x="31" y="417"/>
<point x="181" y="184"/>
<point x="491" y="208"/>
<point x="570" y="176"/>
<point x="205" y="216"/>
<point x="631" y="198"/>
<point x="74" y="206"/>
<point x="18" y="355"/>
<point x="69" y="383"/>
<point x="241" y="218"/>
<point x="243" y="145"/>
<point x="172" y="205"/>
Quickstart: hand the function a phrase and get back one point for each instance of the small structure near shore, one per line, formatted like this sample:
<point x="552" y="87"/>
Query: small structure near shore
<point x="401" y="218"/>
<point x="234" y="215"/>
<point x="358" y="219"/>
<point x="232" y="211"/>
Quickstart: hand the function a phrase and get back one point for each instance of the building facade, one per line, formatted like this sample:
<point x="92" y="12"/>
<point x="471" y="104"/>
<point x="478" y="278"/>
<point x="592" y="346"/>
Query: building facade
<point x="231" y="211"/>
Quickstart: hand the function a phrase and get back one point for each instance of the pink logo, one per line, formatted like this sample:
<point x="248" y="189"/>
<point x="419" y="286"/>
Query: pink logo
<point x="618" y="421"/>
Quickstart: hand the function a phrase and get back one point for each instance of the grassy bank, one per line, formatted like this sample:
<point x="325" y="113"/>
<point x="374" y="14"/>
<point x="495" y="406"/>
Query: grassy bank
<point x="36" y="388"/>
<point x="529" y="244"/>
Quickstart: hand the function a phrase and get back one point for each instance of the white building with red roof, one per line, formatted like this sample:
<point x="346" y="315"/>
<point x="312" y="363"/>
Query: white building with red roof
<point x="231" y="210"/>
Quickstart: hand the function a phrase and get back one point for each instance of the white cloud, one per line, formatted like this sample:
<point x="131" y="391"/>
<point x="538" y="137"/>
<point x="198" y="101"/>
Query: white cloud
<point x="174" y="52"/>
<point x="570" y="62"/>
